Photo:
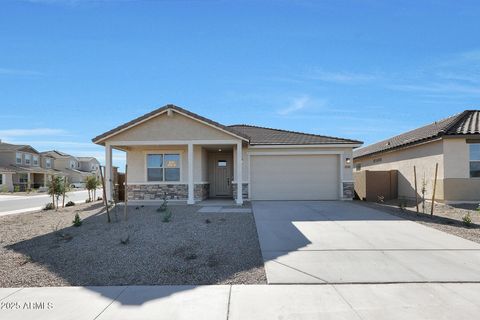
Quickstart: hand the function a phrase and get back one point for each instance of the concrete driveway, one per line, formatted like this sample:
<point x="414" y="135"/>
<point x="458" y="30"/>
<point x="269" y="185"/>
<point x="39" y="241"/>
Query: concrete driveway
<point x="344" y="242"/>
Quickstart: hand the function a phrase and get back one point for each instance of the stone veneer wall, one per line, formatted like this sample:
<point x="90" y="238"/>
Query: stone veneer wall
<point x="348" y="190"/>
<point x="201" y="191"/>
<point x="171" y="191"/>
<point x="244" y="190"/>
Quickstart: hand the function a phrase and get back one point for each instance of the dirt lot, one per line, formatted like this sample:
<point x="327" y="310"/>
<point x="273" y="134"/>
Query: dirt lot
<point x="446" y="218"/>
<point x="44" y="249"/>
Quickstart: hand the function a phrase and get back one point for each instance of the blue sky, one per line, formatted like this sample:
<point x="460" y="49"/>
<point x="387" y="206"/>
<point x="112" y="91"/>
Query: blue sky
<point x="72" y="69"/>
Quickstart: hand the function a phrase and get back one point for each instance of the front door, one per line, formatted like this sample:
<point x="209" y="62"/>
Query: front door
<point x="222" y="174"/>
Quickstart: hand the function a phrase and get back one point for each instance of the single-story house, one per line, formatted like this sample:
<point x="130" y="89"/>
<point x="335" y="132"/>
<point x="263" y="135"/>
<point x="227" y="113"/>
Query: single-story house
<point x="176" y="153"/>
<point x="452" y="143"/>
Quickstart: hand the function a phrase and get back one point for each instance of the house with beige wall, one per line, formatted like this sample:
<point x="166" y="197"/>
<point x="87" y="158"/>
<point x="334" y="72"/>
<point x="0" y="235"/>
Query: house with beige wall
<point x="22" y="168"/>
<point x="76" y="169"/>
<point x="174" y="153"/>
<point x="452" y="143"/>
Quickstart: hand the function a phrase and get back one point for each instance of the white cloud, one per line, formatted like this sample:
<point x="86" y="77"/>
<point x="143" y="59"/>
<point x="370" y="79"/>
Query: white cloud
<point x="8" y="133"/>
<point x="342" y="77"/>
<point x="19" y="72"/>
<point x="297" y="104"/>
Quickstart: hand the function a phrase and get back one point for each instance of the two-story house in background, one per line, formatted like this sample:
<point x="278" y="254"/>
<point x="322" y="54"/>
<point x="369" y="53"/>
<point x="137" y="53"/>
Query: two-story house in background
<point x="22" y="167"/>
<point x="76" y="169"/>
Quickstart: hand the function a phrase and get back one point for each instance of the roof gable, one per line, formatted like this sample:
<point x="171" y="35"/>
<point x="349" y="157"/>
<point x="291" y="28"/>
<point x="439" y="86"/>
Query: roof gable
<point x="122" y="132"/>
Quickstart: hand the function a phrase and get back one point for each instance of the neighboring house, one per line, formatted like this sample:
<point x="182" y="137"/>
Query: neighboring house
<point x="174" y="152"/>
<point x="22" y="167"/>
<point x="89" y="164"/>
<point x="75" y="169"/>
<point x="453" y="143"/>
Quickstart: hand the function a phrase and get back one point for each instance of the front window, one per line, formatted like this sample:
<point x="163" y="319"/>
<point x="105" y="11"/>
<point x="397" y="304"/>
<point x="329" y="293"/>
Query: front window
<point x="48" y="163"/>
<point x="1" y="178"/>
<point x="474" y="160"/>
<point x="19" y="158"/>
<point x="35" y="161"/>
<point x="72" y="164"/>
<point x="23" y="178"/>
<point x="28" y="159"/>
<point x="163" y="167"/>
<point x="358" y="167"/>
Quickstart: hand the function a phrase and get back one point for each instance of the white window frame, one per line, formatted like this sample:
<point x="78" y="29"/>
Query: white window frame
<point x="470" y="160"/>
<point x="48" y="163"/>
<point x="163" y="153"/>
<point x="35" y="160"/>
<point x="72" y="164"/>
<point x="28" y="159"/>
<point x="18" y="156"/>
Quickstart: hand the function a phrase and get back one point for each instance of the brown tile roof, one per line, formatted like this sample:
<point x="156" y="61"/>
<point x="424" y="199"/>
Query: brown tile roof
<point x="16" y="147"/>
<point x="464" y="123"/>
<point x="161" y="110"/>
<point x="255" y="135"/>
<point x="269" y="136"/>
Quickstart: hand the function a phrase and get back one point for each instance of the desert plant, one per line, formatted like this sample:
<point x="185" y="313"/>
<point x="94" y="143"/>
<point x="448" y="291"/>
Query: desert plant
<point x="424" y="191"/>
<point x="380" y="199"/>
<point x="49" y="206"/>
<point x="467" y="219"/>
<point x="16" y="188"/>
<point x="167" y="216"/>
<point x="125" y="241"/>
<point x="77" y="222"/>
<point x="70" y="204"/>
<point x="4" y="189"/>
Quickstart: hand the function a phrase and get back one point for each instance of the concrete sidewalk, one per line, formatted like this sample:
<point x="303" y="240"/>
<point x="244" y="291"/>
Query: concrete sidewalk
<point x="239" y="302"/>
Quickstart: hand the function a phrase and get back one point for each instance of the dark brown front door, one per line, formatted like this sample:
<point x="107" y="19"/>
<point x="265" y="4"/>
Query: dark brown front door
<point x="222" y="174"/>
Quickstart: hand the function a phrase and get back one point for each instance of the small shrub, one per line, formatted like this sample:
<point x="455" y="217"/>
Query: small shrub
<point x="49" y="206"/>
<point x="125" y="241"/>
<point x="88" y="201"/>
<point x="4" y="189"/>
<point x="70" y="204"/>
<point x="167" y="216"/>
<point x="99" y="199"/>
<point x="380" y="199"/>
<point x="77" y="222"/>
<point x="191" y="256"/>
<point x="467" y="219"/>
<point x="16" y="189"/>
<point x="163" y="206"/>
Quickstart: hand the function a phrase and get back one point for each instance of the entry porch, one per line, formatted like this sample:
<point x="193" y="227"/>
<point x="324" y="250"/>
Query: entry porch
<point x="190" y="171"/>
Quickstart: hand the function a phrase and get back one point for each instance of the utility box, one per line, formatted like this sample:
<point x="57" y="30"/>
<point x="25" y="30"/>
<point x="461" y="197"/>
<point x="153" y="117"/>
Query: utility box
<point x="375" y="185"/>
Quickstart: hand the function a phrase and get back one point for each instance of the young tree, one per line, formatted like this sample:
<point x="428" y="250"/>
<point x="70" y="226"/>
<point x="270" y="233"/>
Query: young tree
<point x="91" y="183"/>
<point x="56" y="189"/>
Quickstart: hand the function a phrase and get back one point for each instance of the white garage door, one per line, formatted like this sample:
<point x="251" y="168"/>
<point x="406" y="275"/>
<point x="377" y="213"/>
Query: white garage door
<point x="294" y="177"/>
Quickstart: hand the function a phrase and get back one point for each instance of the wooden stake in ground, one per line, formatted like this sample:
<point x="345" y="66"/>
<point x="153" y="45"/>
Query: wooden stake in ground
<point x="104" y="195"/>
<point x="64" y="190"/>
<point x="416" y="192"/>
<point x="434" y="189"/>
<point x="125" y="200"/>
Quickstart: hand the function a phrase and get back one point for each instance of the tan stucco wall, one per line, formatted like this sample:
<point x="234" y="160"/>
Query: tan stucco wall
<point x="422" y="156"/>
<point x="458" y="190"/>
<point x="457" y="156"/>
<point x="136" y="160"/>
<point x="175" y="127"/>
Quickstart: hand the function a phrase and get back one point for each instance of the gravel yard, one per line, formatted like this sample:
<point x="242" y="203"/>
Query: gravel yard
<point x="44" y="249"/>
<point x="446" y="218"/>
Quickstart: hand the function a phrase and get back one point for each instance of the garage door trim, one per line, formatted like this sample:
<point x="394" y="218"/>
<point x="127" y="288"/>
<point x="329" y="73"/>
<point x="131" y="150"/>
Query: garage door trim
<point x="293" y="153"/>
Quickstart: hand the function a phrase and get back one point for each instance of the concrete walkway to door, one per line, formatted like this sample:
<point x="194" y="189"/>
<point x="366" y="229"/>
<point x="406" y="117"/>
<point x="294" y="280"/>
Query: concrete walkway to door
<point x="342" y="242"/>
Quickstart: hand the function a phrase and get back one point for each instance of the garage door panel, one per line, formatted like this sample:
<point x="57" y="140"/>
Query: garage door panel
<point x="294" y="177"/>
